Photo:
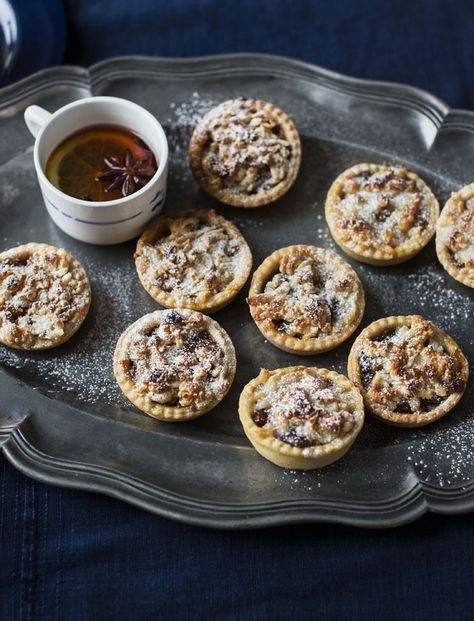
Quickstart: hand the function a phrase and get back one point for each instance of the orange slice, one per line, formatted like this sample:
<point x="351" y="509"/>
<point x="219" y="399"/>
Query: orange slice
<point x="74" y="165"/>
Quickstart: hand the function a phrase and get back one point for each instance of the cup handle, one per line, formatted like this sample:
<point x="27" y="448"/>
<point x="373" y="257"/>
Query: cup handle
<point x="36" y="118"/>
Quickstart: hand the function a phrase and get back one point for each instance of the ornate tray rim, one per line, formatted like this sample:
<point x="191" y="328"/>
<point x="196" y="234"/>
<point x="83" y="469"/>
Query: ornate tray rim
<point x="24" y="455"/>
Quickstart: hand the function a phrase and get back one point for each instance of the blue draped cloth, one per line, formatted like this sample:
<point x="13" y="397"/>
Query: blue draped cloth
<point x="75" y="555"/>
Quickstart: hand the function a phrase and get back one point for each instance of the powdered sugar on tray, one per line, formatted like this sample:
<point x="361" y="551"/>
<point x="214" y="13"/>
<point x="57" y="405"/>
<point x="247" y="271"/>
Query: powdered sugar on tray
<point x="83" y="366"/>
<point x="431" y="293"/>
<point x="446" y="458"/>
<point x="295" y="478"/>
<point x="323" y="236"/>
<point x="190" y="112"/>
<point x="179" y="127"/>
<point x="437" y="299"/>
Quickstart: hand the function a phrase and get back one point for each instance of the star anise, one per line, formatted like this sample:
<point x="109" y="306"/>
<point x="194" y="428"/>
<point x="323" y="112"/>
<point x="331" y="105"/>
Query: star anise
<point x="130" y="173"/>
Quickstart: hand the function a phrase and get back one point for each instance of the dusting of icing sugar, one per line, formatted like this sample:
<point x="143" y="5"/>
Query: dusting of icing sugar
<point x="322" y="234"/>
<point x="304" y="410"/>
<point x="426" y="355"/>
<point x="437" y="299"/>
<point x="443" y="453"/>
<point x="429" y="289"/>
<point x="189" y="113"/>
<point x="247" y="151"/>
<point x="301" y="478"/>
<point x="44" y="295"/>
<point x="446" y="461"/>
<point x="197" y="257"/>
<point x="245" y="224"/>
<point x="10" y="193"/>
<point x="83" y="365"/>
<point x="381" y="209"/>
<point x="179" y="126"/>
<point x="312" y="294"/>
<point x="176" y="358"/>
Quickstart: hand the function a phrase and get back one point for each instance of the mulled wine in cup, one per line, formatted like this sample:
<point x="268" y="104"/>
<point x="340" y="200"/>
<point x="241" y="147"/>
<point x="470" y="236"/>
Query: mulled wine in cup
<point x="102" y="165"/>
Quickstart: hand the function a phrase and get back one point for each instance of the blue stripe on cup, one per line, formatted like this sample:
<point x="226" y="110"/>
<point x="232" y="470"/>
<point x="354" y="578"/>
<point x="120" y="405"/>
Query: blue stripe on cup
<point x="155" y="197"/>
<point x="159" y="203"/>
<point x="105" y="223"/>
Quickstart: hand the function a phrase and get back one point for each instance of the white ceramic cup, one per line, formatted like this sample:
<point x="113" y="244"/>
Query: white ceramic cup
<point x="108" y="222"/>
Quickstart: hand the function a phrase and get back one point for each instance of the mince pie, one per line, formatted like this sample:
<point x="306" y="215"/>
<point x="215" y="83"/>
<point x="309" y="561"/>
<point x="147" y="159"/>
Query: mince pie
<point x="301" y="417"/>
<point x="455" y="236"/>
<point x="193" y="259"/>
<point x="175" y="364"/>
<point x="245" y="152"/>
<point x="306" y="300"/>
<point x="44" y="296"/>
<point x="409" y="372"/>
<point x="381" y="215"/>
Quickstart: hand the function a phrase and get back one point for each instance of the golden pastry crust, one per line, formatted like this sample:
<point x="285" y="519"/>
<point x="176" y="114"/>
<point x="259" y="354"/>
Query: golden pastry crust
<point x="306" y="300"/>
<point x="455" y="236"/>
<point x="45" y="296"/>
<point x="410" y="372"/>
<point x="381" y="215"/>
<point x="245" y="152"/>
<point x="193" y="259"/>
<point x="300" y="417"/>
<point x="175" y="364"/>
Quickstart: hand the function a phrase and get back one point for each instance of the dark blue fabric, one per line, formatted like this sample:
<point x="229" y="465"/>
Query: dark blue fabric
<point x="426" y="43"/>
<point x="73" y="555"/>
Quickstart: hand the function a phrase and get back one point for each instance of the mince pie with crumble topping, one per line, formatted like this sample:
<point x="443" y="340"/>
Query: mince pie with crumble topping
<point x="300" y="417"/>
<point x="175" y="364"/>
<point x="44" y="296"/>
<point x="381" y="215"/>
<point x="306" y="300"/>
<point x="409" y="372"/>
<point x="245" y="152"/>
<point x="193" y="259"/>
<point x="455" y="236"/>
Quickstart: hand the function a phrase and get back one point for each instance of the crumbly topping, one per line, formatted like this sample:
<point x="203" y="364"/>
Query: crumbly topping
<point x="456" y="232"/>
<point x="41" y="293"/>
<point x="247" y="149"/>
<point x="309" y="296"/>
<point x="176" y="361"/>
<point x="303" y="409"/>
<point x="196" y="257"/>
<point x="382" y="208"/>
<point x="408" y="370"/>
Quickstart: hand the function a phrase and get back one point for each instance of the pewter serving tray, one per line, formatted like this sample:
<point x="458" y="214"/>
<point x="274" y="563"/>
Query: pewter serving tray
<point x="63" y="420"/>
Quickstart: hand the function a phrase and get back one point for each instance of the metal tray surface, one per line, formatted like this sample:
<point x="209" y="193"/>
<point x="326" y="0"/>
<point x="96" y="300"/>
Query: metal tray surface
<point x="63" y="420"/>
